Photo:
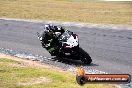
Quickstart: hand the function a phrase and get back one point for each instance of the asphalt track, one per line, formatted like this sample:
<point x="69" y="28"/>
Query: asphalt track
<point x="111" y="50"/>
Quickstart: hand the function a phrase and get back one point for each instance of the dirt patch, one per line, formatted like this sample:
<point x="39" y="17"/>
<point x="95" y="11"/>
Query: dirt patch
<point x="33" y="81"/>
<point x="22" y="65"/>
<point x="29" y="63"/>
<point x="1" y="62"/>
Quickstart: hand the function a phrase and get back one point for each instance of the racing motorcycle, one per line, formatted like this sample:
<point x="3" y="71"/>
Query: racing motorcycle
<point x="68" y="46"/>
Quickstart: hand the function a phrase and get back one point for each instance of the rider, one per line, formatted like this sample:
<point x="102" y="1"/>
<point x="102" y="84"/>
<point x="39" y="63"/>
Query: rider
<point x="49" y="36"/>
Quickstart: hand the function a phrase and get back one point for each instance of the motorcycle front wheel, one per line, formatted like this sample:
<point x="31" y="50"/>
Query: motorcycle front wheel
<point x="84" y="56"/>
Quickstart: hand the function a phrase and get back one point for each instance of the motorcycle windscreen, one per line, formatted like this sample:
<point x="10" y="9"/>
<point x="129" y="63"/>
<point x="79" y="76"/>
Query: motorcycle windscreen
<point x="65" y="36"/>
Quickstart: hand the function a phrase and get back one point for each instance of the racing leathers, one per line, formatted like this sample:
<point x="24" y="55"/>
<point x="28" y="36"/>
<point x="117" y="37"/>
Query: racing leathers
<point x="49" y="37"/>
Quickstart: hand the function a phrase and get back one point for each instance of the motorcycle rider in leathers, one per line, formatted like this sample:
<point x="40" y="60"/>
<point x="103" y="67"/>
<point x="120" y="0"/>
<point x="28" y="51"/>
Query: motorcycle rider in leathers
<point x="49" y="37"/>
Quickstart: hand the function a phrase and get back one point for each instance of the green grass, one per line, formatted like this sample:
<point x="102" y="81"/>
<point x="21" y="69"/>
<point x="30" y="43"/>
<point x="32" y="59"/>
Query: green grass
<point x="68" y="10"/>
<point x="11" y="76"/>
<point x="7" y="60"/>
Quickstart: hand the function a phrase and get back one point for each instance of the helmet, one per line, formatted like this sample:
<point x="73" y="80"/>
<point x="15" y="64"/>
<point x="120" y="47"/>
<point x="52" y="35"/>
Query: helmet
<point x="47" y="27"/>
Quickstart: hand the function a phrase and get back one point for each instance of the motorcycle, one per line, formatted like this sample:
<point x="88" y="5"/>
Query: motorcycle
<point x="68" y="46"/>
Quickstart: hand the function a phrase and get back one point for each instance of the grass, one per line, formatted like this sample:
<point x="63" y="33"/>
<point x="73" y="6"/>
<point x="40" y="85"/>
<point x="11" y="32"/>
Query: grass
<point x="11" y="77"/>
<point x="68" y="10"/>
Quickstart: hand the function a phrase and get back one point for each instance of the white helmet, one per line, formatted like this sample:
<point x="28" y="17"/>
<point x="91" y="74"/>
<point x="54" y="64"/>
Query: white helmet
<point x="47" y="27"/>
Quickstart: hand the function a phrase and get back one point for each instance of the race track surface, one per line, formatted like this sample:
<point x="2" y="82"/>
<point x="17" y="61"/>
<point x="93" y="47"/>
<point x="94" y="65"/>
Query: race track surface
<point x="111" y="50"/>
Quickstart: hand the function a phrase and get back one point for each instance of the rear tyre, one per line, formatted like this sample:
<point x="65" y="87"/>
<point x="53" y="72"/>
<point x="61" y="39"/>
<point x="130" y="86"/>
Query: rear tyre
<point x="84" y="56"/>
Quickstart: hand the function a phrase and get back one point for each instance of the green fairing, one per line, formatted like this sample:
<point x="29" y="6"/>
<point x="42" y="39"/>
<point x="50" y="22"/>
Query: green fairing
<point x="51" y="49"/>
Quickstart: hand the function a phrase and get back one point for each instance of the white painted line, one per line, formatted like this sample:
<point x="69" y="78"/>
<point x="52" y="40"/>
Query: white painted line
<point x="25" y="56"/>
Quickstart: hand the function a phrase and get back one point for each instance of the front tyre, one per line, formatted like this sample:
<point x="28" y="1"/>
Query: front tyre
<point x="84" y="56"/>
